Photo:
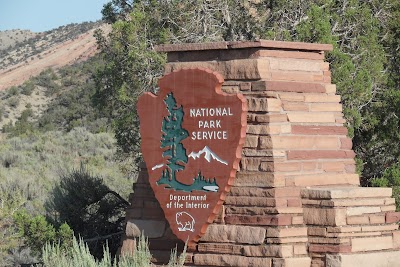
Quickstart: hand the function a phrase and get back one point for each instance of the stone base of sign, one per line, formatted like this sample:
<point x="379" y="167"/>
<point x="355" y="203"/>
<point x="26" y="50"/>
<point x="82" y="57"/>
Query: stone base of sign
<point x="296" y="200"/>
<point x="376" y="259"/>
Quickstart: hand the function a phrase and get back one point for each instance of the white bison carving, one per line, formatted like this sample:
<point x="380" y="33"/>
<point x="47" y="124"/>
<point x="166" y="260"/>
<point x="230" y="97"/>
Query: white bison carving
<point x="185" y="221"/>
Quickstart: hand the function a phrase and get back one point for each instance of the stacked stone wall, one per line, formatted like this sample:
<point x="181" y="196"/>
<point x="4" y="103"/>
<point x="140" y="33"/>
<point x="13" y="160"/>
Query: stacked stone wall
<point x="275" y="213"/>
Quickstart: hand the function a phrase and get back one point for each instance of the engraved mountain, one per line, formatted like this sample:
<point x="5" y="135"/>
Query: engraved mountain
<point x="208" y="154"/>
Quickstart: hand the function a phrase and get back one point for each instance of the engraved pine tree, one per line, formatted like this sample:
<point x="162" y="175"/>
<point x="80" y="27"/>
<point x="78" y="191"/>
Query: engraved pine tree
<point x="172" y="136"/>
<point x="175" y="153"/>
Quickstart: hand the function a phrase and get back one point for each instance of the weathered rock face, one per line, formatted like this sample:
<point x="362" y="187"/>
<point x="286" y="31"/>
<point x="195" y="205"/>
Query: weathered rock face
<point x="296" y="199"/>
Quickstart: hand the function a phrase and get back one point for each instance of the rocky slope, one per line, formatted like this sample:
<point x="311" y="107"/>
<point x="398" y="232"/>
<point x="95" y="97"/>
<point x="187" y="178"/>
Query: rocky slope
<point x="65" y="45"/>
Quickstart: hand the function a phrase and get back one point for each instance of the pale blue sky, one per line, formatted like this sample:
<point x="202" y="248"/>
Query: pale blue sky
<point x="44" y="15"/>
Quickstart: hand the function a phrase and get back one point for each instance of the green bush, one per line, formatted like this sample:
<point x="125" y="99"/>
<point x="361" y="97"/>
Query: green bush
<point x="79" y="255"/>
<point x="27" y="88"/>
<point x="390" y="178"/>
<point x="12" y="91"/>
<point x="37" y="231"/>
<point x="13" y="101"/>
<point x="91" y="208"/>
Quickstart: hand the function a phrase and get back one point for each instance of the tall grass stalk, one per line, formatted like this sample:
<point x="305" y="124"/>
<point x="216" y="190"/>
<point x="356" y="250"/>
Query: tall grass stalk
<point x="79" y="256"/>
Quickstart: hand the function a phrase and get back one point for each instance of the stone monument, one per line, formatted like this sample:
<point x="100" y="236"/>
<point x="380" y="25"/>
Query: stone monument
<point x="294" y="199"/>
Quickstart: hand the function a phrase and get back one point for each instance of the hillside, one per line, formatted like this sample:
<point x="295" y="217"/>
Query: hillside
<point x="9" y="38"/>
<point x="28" y="56"/>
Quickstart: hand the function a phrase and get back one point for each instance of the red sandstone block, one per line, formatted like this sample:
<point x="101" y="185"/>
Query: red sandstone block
<point x="321" y="98"/>
<point x="311" y="117"/>
<point x="346" y="143"/>
<point x="292" y="54"/>
<point x="350" y="168"/>
<point x="324" y="65"/>
<point x="256" y="201"/>
<point x="319" y="130"/>
<point x="342" y="248"/>
<point x="230" y="260"/>
<point x="320" y="154"/>
<point x="295" y="65"/>
<point x="309" y="166"/>
<point x="322" y="179"/>
<point x="392" y="217"/>
<point x="340" y="119"/>
<point x="273" y="220"/>
<point x="328" y="217"/>
<point x="318" y="78"/>
<point x="259" y="179"/>
<point x="330" y="88"/>
<point x="317" y="231"/>
<point x="327" y="79"/>
<point x="297" y="220"/>
<point x="288" y="96"/>
<point x="286" y="232"/>
<point x="388" y="208"/>
<point x="306" y="142"/>
<point x="271" y="118"/>
<point x="286" y="240"/>
<point x="251" y="141"/>
<point x="294" y="202"/>
<point x="316" y="107"/>
<point x="315" y="48"/>
<point x="372" y="243"/>
<point x="294" y="106"/>
<point x="300" y="249"/>
<point x="261" y="192"/>
<point x="288" y="86"/>
<point x="333" y="166"/>
<point x="286" y="192"/>
<point x="260" y="210"/>
<point x="220" y="248"/>
<point x="317" y="262"/>
<point x="287" y="166"/>
<point x="377" y="219"/>
<point x="293" y="76"/>
<point x="358" y="220"/>
<point x="245" y="86"/>
<point x="396" y="239"/>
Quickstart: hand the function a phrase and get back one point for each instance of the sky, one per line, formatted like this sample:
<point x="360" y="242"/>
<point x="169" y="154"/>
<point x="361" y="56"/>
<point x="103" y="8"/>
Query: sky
<point x="44" y="15"/>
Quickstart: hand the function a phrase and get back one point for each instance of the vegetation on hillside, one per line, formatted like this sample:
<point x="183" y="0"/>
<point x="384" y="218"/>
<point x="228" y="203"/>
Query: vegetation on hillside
<point x="59" y="168"/>
<point x="27" y="49"/>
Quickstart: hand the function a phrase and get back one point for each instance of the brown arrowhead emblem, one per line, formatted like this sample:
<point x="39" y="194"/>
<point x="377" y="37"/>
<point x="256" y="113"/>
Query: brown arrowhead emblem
<point x="192" y="137"/>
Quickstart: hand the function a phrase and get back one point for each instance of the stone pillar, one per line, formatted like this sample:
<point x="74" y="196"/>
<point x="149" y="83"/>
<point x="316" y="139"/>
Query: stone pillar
<point x="296" y="200"/>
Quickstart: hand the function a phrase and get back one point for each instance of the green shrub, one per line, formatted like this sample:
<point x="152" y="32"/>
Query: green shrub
<point x="37" y="231"/>
<point x="22" y="125"/>
<point x="27" y="88"/>
<point x="79" y="255"/>
<point x="12" y="201"/>
<point x="91" y="208"/>
<point x="13" y="101"/>
<point x="12" y="91"/>
<point x="2" y="112"/>
<point x="390" y="178"/>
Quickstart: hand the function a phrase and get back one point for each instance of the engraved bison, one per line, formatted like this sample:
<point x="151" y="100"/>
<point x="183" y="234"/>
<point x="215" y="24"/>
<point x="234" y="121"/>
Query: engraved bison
<point x="185" y="221"/>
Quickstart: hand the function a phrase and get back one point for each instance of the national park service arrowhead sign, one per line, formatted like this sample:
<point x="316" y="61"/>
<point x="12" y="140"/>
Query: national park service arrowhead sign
<point x="192" y="136"/>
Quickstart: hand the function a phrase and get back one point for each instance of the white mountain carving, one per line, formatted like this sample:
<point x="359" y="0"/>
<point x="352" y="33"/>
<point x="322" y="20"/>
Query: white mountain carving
<point x="157" y="166"/>
<point x="208" y="155"/>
